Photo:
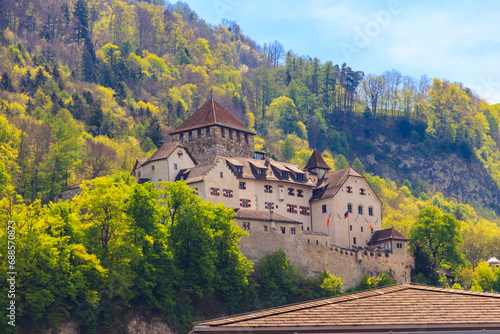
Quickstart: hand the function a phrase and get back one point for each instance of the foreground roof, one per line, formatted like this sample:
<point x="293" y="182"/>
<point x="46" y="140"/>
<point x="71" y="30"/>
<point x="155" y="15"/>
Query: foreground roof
<point x="387" y="234"/>
<point x="212" y="113"/>
<point x="401" y="308"/>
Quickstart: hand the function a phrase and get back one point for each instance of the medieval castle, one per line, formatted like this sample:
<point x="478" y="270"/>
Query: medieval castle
<point x="322" y="220"/>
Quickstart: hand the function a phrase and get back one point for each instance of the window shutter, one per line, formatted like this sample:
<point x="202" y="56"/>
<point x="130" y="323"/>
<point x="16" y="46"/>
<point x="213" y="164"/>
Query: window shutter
<point x="217" y="190"/>
<point x="196" y="191"/>
<point x="211" y="191"/>
<point x="230" y="193"/>
<point x="244" y="186"/>
<point x="271" y="189"/>
<point x="249" y="205"/>
<point x="308" y="211"/>
<point x="272" y="206"/>
<point x="295" y="209"/>
<point x="288" y="208"/>
<point x="241" y="202"/>
<point x="224" y="192"/>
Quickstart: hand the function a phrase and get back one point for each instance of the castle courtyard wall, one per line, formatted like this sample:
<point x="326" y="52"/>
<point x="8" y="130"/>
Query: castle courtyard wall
<point x="313" y="253"/>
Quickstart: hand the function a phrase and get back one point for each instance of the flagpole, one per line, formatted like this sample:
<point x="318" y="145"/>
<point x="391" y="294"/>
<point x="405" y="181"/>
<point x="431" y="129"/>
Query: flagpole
<point x="349" y="230"/>
<point x="328" y="227"/>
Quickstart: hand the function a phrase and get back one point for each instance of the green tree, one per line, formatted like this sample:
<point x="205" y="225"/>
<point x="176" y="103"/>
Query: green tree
<point x="341" y="162"/>
<point x="358" y="166"/>
<point x="438" y="234"/>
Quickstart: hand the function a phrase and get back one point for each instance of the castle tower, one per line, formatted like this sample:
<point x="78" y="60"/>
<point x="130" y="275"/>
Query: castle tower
<point x="317" y="164"/>
<point x="213" y="131"/>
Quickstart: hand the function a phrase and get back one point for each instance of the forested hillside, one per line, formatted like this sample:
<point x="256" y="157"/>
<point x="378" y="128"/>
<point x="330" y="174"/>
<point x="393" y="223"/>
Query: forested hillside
<point x="88" y="86"/>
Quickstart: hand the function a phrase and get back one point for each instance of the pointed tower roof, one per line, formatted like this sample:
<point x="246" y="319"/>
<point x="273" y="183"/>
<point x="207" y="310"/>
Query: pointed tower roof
<point x="212" y="113"/>
<point x="316" y="161"/>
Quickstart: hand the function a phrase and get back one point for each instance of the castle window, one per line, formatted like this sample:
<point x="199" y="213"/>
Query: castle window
<point x="323" y="208"/>
<point x="350" y="227"/>
<point x="283" y="230"/>
<point x="360" y="210"/>
<point x="190" y="135"/>
<point x="181" y="137"/>
<point x="349" y="208"/>
<point x="362" y="191"/>
<point x="238" y="169"/>
<point x="214" y="191"/>
<point x="243" y="185"/>
<point x="199" y="134"/>
<point x="399" y="245"/>
<point x="221" y="175"/>
<point x="246" y="226"/>
<point x="349" y="190"/>
<point x="245" y="203"/>
<point x="175" y="166"/>
<point x="153" y="167"/>
<point x="291" y="208"/>
<point x="284" y="174"/>
<point x="268" y="189"/>
<point x="265" y="228"/>
<point x="195" y="191"/>
<point x="354" y="240"/>
<point x="292" y="230"/>
<point x="208" y="133"/>
<point x="139" y="173"/>
<point x="246" y="138"/>
<point x="300" y="193"/>
<point x="269" y="205"/>
<point x="370" y="211"/>
<point x="227" y="193"/>
<point x="262" y="172"/>
<point x="300" y="177"/>
<point x="238" y="136"/>
<point x="230" y="133"/>
<point x="361" y="228"/>
<point x="180" y="155"/>
<point x="222" y="132"/>
<point x="291" y="192"/>
<point x="304" y="210"/>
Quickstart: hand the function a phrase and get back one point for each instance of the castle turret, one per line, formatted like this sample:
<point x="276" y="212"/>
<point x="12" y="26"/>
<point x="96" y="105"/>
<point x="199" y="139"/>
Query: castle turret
<point x="317" y="165"/>
<point x="213" y="131"/>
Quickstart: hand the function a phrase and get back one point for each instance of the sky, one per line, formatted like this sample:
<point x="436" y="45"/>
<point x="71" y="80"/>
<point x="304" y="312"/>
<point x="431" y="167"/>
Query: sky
<point x="454" y="40"/>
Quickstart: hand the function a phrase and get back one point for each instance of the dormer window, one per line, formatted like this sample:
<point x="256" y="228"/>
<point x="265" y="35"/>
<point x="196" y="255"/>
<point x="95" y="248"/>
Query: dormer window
<point x="238" y="169"/>
<point x="284" y="174"/>
<point x="190" y="135"/>
<point x="349" y="190"/>
<point x="300" y="177"/>
<point x="181" y="137"/>
<point x="262" y="172"/>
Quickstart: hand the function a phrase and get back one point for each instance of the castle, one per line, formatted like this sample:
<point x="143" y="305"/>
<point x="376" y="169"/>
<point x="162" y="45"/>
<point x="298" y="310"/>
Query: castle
<point x="323" y="220"/>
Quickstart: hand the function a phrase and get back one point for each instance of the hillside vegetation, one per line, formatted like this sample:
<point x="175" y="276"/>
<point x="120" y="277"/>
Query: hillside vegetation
<point x="88" y="86"/>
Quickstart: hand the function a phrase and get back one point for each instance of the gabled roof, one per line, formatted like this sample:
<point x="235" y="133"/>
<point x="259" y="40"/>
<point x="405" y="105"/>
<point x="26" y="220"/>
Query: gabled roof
<point x="331" y="183"/>
<point x="387" y="234"/>
<point x="138" y="163"/>
<point x="195" y="174"/>
<point x="164" y="152"/>
<point x="401" y="308"/>
<point x="262" y="216"/>
<point x="212" y="113"/>
<point x="316" y="161"/>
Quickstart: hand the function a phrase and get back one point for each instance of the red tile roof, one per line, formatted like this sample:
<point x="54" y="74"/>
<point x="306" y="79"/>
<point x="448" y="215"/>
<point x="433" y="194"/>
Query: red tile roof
<point x="316" y="161"/>
<point x="212" y="113"/>
<point x="400" y="308"/>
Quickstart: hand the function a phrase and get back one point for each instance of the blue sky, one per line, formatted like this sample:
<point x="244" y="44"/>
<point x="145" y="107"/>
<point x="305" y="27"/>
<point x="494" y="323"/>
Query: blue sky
<point x="453" y="40"/>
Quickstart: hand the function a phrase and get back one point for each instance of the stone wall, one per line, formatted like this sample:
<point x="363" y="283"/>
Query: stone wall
<point x="205" y="149"/>
<point x="314" y="254"/>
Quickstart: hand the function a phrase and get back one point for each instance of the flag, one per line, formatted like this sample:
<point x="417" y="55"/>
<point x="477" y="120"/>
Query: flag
<point x="346" y="214"/>
<point x="371" y="228"/>
<point x="328" y="222"/>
